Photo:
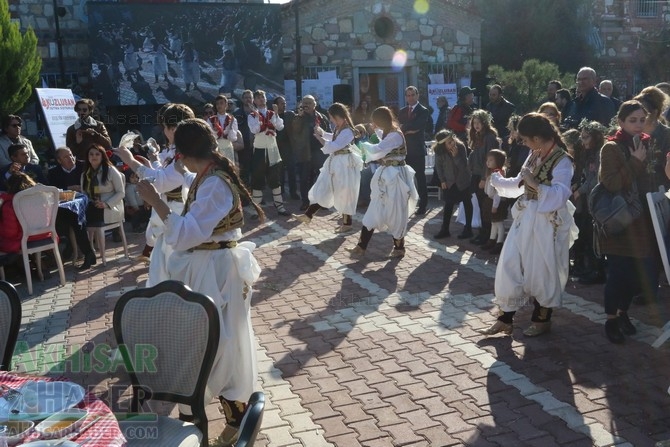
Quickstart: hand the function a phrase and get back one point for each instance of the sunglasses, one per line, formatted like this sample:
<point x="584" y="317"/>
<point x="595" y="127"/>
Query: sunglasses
<point x="15" y="125"/>
<point x="82" y="109"/>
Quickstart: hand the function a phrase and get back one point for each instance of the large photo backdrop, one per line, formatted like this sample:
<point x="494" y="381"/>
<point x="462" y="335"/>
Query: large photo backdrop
<point x="188" y="52"/>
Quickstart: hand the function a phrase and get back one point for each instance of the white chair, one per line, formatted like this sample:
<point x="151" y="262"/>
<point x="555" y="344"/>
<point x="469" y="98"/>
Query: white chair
<point x="659" y="207"/>
<point x="181" y="328"/>
<point x="10" y="322"/>
<point x="96" y="234"/>
<point x="36" y="210"/>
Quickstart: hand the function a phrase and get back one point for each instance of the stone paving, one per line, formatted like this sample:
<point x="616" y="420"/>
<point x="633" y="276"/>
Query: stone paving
<point x="384" y="352"/>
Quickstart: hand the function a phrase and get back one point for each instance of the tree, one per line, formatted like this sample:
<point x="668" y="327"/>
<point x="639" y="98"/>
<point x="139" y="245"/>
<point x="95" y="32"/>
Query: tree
<point x="20" y="63"/>
<point x="652" y="56"/>
<point x="514" y="31"/>
<point x="528" y="86"/>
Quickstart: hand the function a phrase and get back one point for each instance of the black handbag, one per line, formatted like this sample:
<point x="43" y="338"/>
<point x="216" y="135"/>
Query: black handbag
<point x="613" y="212"/>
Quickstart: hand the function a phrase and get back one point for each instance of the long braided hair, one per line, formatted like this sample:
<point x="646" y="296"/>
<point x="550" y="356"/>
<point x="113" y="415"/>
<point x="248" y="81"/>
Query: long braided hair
<point x="194" y="138"/>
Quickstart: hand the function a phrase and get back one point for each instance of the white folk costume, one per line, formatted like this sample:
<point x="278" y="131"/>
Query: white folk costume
<point x="339" y="179"/>
<point x="225" y="129"/>
<point x="393" y="193"/>
<point x="169" y="183"/>
<point x="208" y="258"/>
<point x="264" y="124"/>
<point x="534" y="259"/>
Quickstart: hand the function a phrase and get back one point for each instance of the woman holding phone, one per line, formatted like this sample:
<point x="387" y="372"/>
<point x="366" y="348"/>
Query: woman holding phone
<point x="632" y="268"/>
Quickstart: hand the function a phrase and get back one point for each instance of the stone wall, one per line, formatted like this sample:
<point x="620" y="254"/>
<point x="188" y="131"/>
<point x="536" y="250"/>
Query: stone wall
<point x="342" y="33"/>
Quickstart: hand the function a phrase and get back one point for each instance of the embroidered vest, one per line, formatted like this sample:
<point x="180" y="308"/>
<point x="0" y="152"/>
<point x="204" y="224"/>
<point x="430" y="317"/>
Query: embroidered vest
<point x="543" y="172"/>
<point x="234" y="219"/>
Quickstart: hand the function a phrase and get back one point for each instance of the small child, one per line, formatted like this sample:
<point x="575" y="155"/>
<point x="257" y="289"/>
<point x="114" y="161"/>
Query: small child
<point x="495" y="162"/>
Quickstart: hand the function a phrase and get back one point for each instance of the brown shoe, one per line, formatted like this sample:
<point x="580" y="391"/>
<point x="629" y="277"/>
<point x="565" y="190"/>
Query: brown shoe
<point x="343" y="229"/>
<point x="397" y="253"/>
<point x="488" y="244"/>
<point x="356" y="252"/>
<point x="536" y="329"/>
<point x="498" y="327"/>
<point x="302" y="218"/>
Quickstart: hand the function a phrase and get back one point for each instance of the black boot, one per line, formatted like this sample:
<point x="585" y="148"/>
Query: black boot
<point x="613" y="331"/>
<point x="89" y="260"/>
<point x="625" y="325"/>
<point x="443" y="233"/>
<point x="467" y="233"/>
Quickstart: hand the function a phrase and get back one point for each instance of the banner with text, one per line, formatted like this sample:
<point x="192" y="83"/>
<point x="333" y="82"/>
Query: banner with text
<point x="436" y="90"/>
<point x="58" y="107"/>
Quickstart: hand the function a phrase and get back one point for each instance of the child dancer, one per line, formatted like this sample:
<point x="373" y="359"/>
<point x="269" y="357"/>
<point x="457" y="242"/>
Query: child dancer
<point x="495" y="162"/>
<point x="339" y="180"/>
<point x="225" y="127"/>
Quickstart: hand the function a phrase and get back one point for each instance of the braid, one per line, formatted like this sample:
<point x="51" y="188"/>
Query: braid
<point x="230" y="169"/>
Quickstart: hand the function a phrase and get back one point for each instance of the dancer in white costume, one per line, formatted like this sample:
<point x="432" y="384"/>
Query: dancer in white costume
<point x="393" y="195"/>
<point x="168" y="181"/>
<point x="209" y="258"/>
<point x="339" y="179"/>
<point x="533" y="264"/>
<point x="225" y="127"/>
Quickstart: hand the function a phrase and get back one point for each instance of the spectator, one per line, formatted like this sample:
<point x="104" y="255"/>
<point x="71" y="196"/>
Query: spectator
<point x="550" y="110"/>
<point x="517" y="151"/>
<point x="362" y="113"/>
<point x="631" y="255"/>
<point x="655" y="102"/>
<point x="11" y="134"/>
<point x="607" y="88"/>
<point x="501" y="109"/>
<point x="10" y="228"/>
<point x="307" y="148"/>
<point x="414" y="122"/>
<point x="482" y="138"/>
<point x="104" y="186"/>
<point x="19" y="156"/>
<point x="460" y="113"/>
<point x="67" y="175"/>
<point x="86" y="131"/>
<point x="588" y="103"/>
<point x="443" y="107"/>
<point x="285" y="143"/>
<point x="552" y="87"/>
<point x="563" y="102"/>
<point x="451" y="165"/>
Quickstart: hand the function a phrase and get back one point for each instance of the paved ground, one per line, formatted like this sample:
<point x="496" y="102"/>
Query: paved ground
<point x="384" y="352"/>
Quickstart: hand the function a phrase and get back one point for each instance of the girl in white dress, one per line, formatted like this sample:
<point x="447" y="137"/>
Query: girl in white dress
<point x="533" y="264"/>
<point x="209" y="258"/>
<point x="393" y="196"/>
<point x="339" y="179"/>
<point x="224" y="126"/>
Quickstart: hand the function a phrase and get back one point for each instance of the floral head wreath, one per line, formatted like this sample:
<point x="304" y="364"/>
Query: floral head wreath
<point x="593" y="127"/>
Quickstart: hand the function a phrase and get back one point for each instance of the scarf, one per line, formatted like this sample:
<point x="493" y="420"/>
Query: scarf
<point x="92" y="183"/>
<point x="627" y="139"/>
<point x="216" y="124"/>
<point x="266" y="122"/>
<point x="88" y="122"/>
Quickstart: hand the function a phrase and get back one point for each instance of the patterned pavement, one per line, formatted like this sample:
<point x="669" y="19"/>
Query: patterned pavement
<point x="384" y="352"/>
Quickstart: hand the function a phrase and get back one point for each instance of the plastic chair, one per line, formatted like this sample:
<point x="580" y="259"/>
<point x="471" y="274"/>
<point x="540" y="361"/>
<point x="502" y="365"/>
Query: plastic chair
<point x="10" y="322"/>
<point x="659" y="208"/>
<point x="36" y="210"/>
<point x="251" y="423"/>
<point x="97" y="234"/>
<point x="178" y="329"/>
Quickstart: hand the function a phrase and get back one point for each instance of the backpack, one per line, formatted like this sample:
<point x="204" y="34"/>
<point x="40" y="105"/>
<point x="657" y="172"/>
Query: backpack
<point x="613" y="212"/>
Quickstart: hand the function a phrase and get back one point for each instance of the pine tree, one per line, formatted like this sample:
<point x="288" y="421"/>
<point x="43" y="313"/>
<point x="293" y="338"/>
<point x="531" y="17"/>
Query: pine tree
<point x="20" y="63"/>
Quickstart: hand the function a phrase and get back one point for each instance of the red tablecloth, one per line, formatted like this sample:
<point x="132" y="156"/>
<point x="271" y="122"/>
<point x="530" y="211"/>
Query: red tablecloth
<point x="104" y="433"/>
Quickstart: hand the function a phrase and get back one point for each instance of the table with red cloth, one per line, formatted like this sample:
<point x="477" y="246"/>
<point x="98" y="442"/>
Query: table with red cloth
<point x="104" y="433"/>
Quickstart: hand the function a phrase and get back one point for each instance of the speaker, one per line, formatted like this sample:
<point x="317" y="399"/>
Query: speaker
<point x="343" y="93"/>
<point x="479" y="81"/>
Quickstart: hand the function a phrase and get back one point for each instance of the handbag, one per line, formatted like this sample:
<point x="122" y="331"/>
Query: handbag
<point x="612" y="212"/>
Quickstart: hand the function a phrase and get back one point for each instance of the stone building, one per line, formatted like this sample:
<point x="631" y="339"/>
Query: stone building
<point x="620" y="29"/>
<point x="379" y="47"/>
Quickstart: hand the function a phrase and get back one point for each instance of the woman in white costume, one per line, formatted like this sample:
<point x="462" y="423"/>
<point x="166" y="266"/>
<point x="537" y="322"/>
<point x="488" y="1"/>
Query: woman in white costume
<point x="168" y="181"/>
<point x="533" y="264"/>
<point x="393" y="194"/>
<point x="208" y="257"/>
<point x="339" y="179"/>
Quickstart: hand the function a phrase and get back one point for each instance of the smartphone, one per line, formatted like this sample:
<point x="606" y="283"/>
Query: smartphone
<point x="636" y="142"/>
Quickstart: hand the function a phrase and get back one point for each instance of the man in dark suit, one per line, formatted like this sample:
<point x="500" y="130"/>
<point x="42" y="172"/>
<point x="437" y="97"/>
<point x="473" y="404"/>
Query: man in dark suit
<point x="67" y="175"/>
<point x="415" y="122"/>
<point x="19" y="154"/>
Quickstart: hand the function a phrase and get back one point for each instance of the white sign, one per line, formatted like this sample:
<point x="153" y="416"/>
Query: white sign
<point x="58" y="107"/>
<point x="449" y="91"/>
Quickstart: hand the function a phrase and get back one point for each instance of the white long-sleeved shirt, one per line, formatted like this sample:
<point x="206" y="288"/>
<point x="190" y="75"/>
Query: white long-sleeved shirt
<point x="344" y="139"/>
<point x="378" y="151"/>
